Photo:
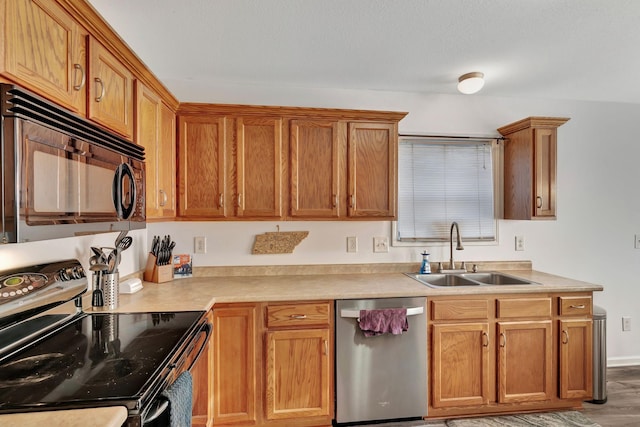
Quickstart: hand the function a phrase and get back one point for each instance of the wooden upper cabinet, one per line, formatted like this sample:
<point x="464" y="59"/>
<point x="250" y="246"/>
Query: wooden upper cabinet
<point x="155" y="131"/>
<point x="290" y="163"/>
<point x="259" y="165"/>
<point x="317" y="168"/>
<point x="373" y="169"/>
<point x="44" y="49"/>
<point x="167" y="162"/>
<point x="110" y="90"/>
<point x="202" y="164"/>
<point x="530" y="168"/>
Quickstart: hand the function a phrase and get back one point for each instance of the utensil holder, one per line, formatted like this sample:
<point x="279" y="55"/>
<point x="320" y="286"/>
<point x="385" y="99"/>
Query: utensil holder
<point x="157" y="273"/>
<point x="110" y="290"/>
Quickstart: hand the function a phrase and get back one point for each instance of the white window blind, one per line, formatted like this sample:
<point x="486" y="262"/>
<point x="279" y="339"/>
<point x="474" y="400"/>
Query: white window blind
<point x="441" y="180"/>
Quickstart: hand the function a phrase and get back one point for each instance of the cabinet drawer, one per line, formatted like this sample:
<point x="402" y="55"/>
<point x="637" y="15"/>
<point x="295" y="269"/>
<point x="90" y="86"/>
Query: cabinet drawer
<point x="523" y="307"/>
<point x="575" y="306"/>
<point x="460" y="309"/>
<point x="313" y="314"/>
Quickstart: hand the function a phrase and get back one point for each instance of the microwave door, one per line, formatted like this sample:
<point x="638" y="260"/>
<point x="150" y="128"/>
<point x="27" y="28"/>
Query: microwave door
<point x="69" y="180"/>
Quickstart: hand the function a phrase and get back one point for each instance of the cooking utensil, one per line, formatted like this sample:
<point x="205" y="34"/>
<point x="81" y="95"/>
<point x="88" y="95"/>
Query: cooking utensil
<point x="113" y="260"/>
<point x="97" y="299"/>
<point x="121" y="236"/>
<point x="124" y="243"/>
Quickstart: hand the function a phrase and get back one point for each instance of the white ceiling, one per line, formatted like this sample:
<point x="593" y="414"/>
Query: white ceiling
<point x="553" y="49"/>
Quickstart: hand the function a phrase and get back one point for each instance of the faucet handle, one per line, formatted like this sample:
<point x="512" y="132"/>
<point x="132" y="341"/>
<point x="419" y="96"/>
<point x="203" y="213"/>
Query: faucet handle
<point x="463" y="266"/>
<point x="439" y="267"/>
<point x="475" y="268"/>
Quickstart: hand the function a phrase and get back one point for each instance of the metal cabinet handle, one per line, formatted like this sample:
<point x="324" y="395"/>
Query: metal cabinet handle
<point x="326" y="347"/>
<point x="163" y="196"/>
<point x="352" y="201"/>
<point x="503" y="340"/>
<point x="298" y="316"/>
<point x="565" y="337"/>
<point x="335" y="200"/>
<point x="580" y="306"/>
<point x="221" y="200"/>
<point x="239" y="200"/>
<point x="485" y="339"/>
<point x="99" y="98"/>
<point x="538" y="202"/>
<point x="83" y="77"/>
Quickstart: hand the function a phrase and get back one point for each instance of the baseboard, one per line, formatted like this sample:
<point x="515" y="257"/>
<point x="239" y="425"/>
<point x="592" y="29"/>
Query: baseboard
<point x="622" y="361"/>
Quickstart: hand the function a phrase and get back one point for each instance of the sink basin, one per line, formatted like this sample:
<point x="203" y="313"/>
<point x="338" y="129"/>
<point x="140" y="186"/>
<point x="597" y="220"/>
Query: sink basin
<point x="493" y="278"/>
<point x="440" y="280"/>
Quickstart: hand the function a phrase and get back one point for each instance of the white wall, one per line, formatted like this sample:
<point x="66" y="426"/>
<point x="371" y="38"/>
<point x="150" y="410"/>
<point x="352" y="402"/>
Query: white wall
<point x="592" y="239"/>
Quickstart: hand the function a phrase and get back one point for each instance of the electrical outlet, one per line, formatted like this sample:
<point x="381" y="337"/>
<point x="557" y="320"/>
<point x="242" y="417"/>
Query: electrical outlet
<point x="519" y="243"/>
<point x="200" y="244"/>
<point x="626" y="323"/>
<point x="380" y="244"/>
<point x="637" y="241"/>
<point x="352" y="244"/>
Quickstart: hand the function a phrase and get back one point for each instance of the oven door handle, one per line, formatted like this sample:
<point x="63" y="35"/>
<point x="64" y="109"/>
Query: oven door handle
<point x="206" y="328"/>
<point x="160" y="409"/>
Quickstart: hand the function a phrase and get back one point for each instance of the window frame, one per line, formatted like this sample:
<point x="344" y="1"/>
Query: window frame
<point x="497" y="153"/>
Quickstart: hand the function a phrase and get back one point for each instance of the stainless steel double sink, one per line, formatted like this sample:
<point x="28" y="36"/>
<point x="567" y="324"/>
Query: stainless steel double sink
<point x="441" y="280"/>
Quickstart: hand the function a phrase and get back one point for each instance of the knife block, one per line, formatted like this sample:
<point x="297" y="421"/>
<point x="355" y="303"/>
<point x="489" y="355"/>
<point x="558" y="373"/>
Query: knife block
<point x="157" y="273"/>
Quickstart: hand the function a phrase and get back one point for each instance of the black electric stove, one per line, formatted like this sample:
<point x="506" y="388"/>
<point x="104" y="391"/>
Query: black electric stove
<point x="63" y="358"/>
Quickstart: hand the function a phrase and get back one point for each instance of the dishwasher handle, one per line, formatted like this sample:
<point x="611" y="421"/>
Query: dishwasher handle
<point x="354" y="314"/>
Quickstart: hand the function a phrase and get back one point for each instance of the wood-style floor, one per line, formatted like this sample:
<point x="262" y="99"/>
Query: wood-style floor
<point x="623" y="399"/>
<point x="621" y="410"/>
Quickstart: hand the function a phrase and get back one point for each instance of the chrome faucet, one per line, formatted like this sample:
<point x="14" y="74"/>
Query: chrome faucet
<point x="459" y="247"/>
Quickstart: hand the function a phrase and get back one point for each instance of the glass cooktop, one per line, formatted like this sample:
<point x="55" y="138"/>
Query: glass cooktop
<point x="100" y="356"/>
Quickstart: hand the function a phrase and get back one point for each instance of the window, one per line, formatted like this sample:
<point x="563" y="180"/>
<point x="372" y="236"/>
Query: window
<point x="441" y="180"/>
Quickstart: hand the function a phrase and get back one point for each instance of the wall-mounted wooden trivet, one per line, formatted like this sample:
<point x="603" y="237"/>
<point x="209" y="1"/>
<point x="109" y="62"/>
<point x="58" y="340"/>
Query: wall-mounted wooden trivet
<point x="279" y="242"/>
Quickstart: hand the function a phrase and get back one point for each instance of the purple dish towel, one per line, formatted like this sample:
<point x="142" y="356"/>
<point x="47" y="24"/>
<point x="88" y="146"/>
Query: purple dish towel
<point x="386" y="320"/>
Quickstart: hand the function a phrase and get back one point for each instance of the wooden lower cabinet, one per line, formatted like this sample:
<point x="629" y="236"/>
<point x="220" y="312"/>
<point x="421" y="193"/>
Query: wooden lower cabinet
<point x="273" y="364"/>
<point x="509" y="353"/>
<point x="202" y="405"/>
<point x="525" y="361"/>
<point x="235" y="379"/>
<point x="298" y="370"/>
<point x="460" y="367"/>
<point x="575" y="340"/>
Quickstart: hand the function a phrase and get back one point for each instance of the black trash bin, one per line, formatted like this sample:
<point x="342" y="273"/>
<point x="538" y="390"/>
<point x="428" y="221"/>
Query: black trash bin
<point x="599" y="355"/>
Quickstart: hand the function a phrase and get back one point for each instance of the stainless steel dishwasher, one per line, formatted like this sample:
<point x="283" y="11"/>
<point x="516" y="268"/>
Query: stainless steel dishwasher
<point x="382" y="377"/>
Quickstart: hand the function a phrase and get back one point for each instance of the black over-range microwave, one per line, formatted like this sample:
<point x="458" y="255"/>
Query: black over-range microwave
<point x="62" y="175"/>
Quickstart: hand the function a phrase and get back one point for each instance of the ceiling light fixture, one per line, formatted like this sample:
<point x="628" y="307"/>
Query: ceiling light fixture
<point x="471" y="82"/>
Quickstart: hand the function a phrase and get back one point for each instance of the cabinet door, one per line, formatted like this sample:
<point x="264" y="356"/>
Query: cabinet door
<point x="315" y="168"/>
<point x="202" y="373"/>
<point x="167" y="162"/>
<point x="201" y="170"/>
<point x="44" y="49"/>
<point x="147" y="130"/>
<point x="373" y="164"/>
<point x="545" y="172"/>
<point x="460" y="364"/>
<point x="110" y="90"/>
<point x="234" y="364"/>
<point x="576" y="359"/>
<point x="298" y="371"/>
<point x="525" y="361"/>
<point x="259" y="167"/>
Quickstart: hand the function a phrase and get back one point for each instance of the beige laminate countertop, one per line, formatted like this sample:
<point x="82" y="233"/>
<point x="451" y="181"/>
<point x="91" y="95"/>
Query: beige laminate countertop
<point x="201" y="293"/>
<point x="112" y="416"/>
